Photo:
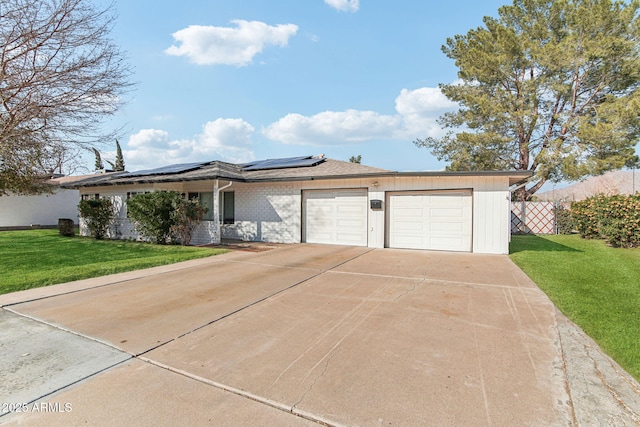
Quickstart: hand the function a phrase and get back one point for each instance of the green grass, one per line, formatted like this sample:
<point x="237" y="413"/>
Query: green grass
<point x="35" y="258"/>
<point x="596" y="286"/>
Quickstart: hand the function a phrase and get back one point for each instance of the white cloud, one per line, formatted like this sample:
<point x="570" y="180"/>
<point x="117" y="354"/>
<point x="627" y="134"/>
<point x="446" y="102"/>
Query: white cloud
<point x="149" y="137"/>
<point x="228" y="138"/>
<point x="332" y="128"/>
<point x="344" y="5"/>
<point x="221" y="139"/>
<point x="424" y="100"/>
<point x="420" y="109"/>
<point x="208" y="45"/>
<point x="417" y="111"/>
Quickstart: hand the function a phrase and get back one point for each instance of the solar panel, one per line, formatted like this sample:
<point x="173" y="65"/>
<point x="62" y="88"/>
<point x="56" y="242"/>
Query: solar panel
<point x="178" y="168"/>
<point x="288" y="162"/>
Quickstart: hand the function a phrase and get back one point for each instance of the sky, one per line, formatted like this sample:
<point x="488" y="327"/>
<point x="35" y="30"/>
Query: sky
<point x="241" y="80"/>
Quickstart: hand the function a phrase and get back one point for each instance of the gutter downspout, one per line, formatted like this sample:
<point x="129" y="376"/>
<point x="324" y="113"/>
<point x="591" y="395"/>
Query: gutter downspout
<point x="217" y="209"/>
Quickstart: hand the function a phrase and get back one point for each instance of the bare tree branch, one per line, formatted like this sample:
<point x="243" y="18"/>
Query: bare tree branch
<point x="60" y="77"/>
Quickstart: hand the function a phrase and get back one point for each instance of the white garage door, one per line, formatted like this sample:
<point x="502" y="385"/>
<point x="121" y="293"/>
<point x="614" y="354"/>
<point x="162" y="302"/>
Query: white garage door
<point x="335" y="217"/>
<point x="437" y="220"/>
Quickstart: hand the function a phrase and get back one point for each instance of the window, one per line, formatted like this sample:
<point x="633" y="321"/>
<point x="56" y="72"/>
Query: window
<point x="228" y="207"/>
<point x="206" y="200"/>
<point x="90" y="196"/>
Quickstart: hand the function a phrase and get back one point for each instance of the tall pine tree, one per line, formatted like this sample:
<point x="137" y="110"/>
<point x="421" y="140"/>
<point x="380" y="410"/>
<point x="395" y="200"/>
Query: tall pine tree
<point x="119" y="165"/>
<point x="98" y="163"/>
<point x="550" y="86"/>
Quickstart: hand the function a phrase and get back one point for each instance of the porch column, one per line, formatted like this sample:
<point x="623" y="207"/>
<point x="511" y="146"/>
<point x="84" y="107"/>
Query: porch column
<point x="216" y="217"/>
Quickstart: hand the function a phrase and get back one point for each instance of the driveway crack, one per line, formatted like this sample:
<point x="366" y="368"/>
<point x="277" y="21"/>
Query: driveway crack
<point x="410" y="290"/>
<point x="315" y="380"/>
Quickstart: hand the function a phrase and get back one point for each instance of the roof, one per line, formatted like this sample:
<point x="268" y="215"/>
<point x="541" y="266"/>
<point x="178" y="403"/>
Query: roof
<point x="303" y="168"/>
<point x="68" y="180"/>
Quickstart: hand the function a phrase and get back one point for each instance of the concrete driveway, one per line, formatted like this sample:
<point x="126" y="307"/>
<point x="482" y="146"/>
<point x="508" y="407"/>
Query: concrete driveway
<point x="306" y="334"/>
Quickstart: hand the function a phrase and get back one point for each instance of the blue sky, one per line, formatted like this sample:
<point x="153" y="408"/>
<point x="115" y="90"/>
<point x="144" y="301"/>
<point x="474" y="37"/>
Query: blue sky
<point x="238" y="80"/>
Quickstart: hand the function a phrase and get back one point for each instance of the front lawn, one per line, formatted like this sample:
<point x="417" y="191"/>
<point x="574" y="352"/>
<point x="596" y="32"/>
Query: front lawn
<point x="596" y="286"/>
<point x="34" y="258"/>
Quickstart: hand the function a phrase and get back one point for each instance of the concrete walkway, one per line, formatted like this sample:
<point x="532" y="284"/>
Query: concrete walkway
<point x="306" y="335"/>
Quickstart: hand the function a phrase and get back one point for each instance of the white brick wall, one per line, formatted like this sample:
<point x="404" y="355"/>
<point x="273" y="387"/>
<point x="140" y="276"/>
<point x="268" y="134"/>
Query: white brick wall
<point x="205" y="234"/>
<point x="121" y="227"/>
<point x="268" y="213"/>
<point x="263" y="212"/>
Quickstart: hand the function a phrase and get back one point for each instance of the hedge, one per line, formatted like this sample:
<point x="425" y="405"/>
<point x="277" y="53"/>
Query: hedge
<point x="613" y="218"/>
<point x="165" y="216"/>
<point x="98" y="215"/>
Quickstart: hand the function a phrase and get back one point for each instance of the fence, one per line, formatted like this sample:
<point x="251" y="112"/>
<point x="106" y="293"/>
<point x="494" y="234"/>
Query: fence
<point x="533" y="218"/>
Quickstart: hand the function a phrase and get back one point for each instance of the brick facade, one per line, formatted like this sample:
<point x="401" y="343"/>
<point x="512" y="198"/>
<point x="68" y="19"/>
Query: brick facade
<point x="263" y="212"/>
<point x="267" y="213"/>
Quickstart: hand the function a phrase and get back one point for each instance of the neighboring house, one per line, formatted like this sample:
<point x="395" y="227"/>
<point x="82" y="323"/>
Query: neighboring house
<point x="42" y="210"/>
<point x="317" y="200"/>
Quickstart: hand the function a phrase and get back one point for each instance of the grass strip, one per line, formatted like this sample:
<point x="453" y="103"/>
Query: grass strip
<point x="594" y="285"/>
<point x="35" y="258"/>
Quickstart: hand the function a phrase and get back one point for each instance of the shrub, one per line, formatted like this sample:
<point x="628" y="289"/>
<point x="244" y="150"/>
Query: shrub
<point x="614" y="218"/>
<point x="186" y="217"/>
<point x="151" y="214"/>
<point x="564" y="224"/>
<point x="164" y="216"/>
<point x="586" y="216"/>
<point x="98" y="215"/>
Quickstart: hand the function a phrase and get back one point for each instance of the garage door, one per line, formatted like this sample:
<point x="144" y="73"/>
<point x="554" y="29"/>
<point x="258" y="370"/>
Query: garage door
<point x="437" y="220"/>
<point x="335" y="217"/>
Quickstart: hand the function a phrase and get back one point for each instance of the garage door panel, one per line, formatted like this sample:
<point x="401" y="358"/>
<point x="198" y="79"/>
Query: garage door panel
<point x="347" y="224"/>
<point x="319" y="237"/>
<point x="447" y="213"/>
<point x="430" y="220"/>
<point x="447" y="227"/>
<point x="408" y="202"/>
<point x="410" y="226"/>
<point x="408" y="242"/>
<point x="349" y="210"/>
<point x="335" y="217"/>
<point x="354" y="239"/>
<point x="408" y="213"/>
<point x="447" y="243"/>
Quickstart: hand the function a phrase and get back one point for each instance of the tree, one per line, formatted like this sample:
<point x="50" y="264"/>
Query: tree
<point x="550" y="86"/>
<point x="60" y="75"/>
<point x="355" y="159"/>
<point x="119" y="166"/>
<point x="98" y="163"/>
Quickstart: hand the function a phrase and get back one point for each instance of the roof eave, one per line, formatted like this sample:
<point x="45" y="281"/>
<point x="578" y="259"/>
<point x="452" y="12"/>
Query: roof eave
<point x="514" y="177"/>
